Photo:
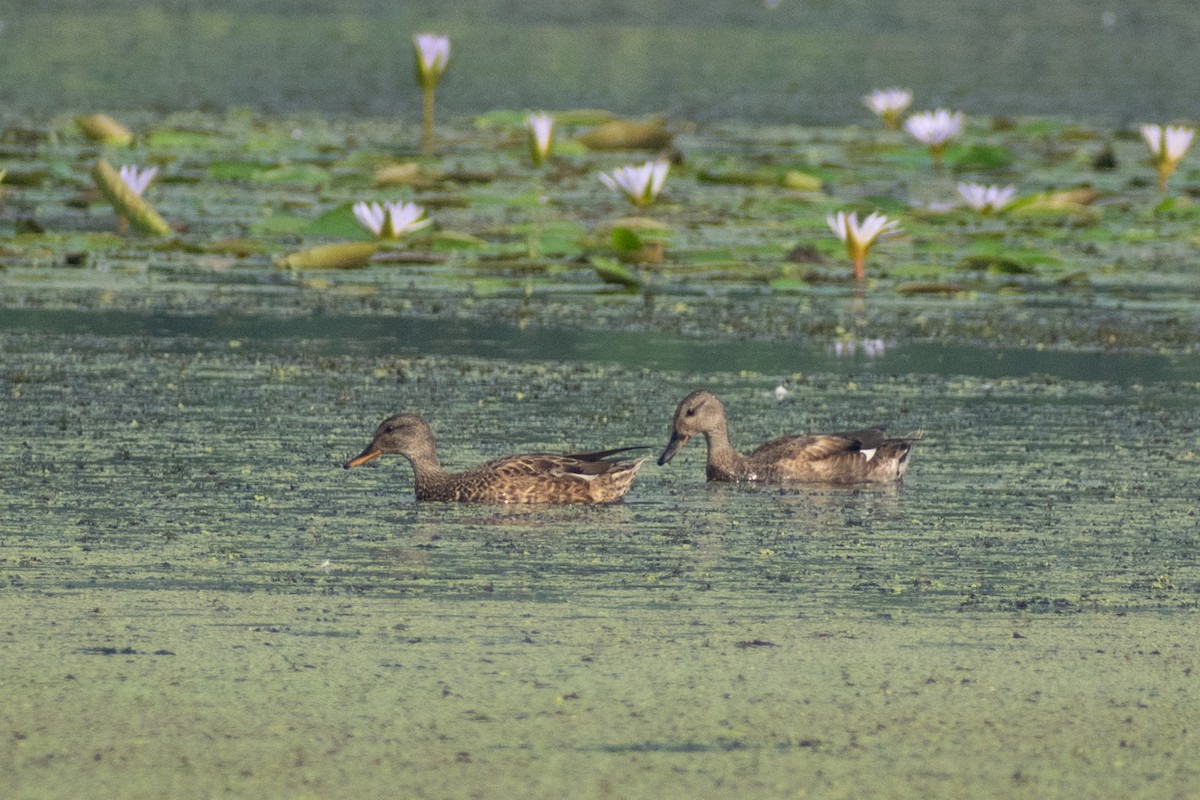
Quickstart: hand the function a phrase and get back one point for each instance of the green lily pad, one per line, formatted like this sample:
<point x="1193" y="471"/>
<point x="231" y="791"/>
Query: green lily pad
<point x="444" y="241"/>
<point x="345" y="255"/>
<point x="613" y="272"/>
<point x="979" y="158"/>
<point x="172" y="139"/>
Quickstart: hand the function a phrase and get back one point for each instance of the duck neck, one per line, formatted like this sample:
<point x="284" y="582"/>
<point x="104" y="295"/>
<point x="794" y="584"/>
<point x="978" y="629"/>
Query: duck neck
<point x="427" y="471"/>
<point x="723" y="461"/>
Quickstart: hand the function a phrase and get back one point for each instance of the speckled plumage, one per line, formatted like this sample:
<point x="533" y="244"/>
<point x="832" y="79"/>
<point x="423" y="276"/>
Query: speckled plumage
<point x="865" y="456"/>
<point x="526" y="478"/>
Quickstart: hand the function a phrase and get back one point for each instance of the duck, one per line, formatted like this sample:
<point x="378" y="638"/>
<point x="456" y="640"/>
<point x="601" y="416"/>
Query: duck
<point x="863" y="456"/>
<point x="595" y="477"/>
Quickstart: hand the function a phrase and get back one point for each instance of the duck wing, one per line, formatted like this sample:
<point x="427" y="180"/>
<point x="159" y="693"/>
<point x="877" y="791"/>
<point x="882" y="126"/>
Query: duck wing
<point x="582" y="466"/>
<point x="816" y="447"/>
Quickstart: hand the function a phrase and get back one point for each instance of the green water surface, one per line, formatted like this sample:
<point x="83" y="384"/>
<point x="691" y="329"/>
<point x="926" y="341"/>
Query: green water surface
<point x="198" y="601"/>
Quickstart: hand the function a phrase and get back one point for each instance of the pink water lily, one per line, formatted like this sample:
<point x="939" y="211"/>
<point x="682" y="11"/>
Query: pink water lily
<point x="137" y="179"/>
<point x="433" y="56"/>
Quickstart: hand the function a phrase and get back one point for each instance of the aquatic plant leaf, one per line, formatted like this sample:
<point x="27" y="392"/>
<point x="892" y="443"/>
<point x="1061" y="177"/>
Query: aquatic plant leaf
<point x="624" y="239"/>
<point x="236" y="247"/>
<point x="27" y="177"/>
<point x="802" y="181"/>
<point x="612" y="272"/>
<point x="979" y="157"/>
<point x="176" y="139"/>
<point x="339" y="223"/>
<point x="788" y="284"/>
<point x="306" y="174"/>
<point x="104" y="129"/>
<point x="996" y="264"/>
<point x="1062" y="200"/>
<point x="235" y="170"/>
<point x="644" y="227"/>
<point x="457" y="240"/>
<point x="928" y="288"/>
<point x="140" y="215"/>
<point x="407" y="174"/>
<point x="344" y="255"/>
<point x="624" y="134"/>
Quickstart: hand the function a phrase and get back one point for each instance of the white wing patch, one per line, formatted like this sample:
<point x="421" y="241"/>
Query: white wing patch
<point x="869" y="454"/>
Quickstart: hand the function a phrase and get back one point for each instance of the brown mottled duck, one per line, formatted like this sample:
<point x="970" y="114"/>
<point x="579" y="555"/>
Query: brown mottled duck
<point x="866" y="456"/>
<point x="525" y="478"/>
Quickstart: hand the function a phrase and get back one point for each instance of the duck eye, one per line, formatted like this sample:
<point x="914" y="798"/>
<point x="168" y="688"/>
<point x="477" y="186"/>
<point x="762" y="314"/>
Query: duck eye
<point x="691" y="412"/>
<point x="389" y="429"/>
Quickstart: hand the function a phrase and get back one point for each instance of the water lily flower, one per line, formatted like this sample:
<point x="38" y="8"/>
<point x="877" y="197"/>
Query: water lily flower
<point x="889" y="104"/>
<point x="137" y="179"/>
<point x="433" y="55"/>
<point x="541" y="136"/>
<point x="640" y="184"/>
<point x="391" y="220"/>
<point x="860" y="237"/>
<point x="871" y="348"/>
<point x="986" y="199"/>
<point x="935" y="130"/>
<point x="1167" y="147"/>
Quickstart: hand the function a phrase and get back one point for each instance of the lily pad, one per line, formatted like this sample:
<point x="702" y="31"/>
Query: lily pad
<point x="444" y="241"/>
<point x="104" y="129"/>
<point x="346" y="255"/>
<point x="624" y="134"/>
<point x="140" y="215"/>
<point x="612" y="272"/>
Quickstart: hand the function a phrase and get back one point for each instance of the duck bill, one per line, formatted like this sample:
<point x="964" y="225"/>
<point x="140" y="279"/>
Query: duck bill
<point x="678" y="440"/>
<point x="366" y="455"/>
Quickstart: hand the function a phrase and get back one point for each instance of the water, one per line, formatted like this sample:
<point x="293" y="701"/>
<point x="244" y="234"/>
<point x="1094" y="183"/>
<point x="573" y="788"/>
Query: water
<point x="793" y="61"/>
<point x="198" y="596"/>
<point x="198" y="600"/>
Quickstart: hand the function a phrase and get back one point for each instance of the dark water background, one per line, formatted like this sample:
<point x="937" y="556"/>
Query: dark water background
<point x="807" y="61"/>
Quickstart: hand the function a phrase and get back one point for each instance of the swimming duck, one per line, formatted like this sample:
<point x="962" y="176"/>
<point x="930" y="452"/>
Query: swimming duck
<point x="865" y="456"/>
<point x="526" y="478"/>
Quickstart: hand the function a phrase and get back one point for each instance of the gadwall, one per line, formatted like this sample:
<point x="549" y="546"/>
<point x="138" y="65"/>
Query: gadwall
<point x="865" y="456"/>
<point x="526" y="478"/>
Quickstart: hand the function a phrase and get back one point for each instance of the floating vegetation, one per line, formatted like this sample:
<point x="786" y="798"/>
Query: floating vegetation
<point x="744" y="211"/>
<point x="127" y="201"/>
<point x="104" y="129"/>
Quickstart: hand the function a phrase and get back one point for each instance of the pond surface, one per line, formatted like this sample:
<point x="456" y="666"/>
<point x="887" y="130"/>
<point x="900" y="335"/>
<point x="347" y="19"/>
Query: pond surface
<point x="198" y="600"/>
<point x="198" y="596"/>
<point x="792" y="60"/>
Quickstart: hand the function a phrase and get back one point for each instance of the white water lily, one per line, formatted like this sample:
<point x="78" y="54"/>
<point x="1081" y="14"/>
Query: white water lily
<point x="871" y="348"/>
<point x="1167" y="146"/>
<point x="889" y="104"/>
<point x="986" y="199"/>
<point x="935" y="130"/>
<point x="541" y="136"/>
<point x="859" y="237"/>
<point x="137" y="179"/>
<point x="433" y="56"/>
<point x="391" y="220"/>
<point x="640" y="184"/>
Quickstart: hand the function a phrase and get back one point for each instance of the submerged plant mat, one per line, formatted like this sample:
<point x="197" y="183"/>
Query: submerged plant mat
<point x="196" y="591"/>
<point x="197" y="595"/>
